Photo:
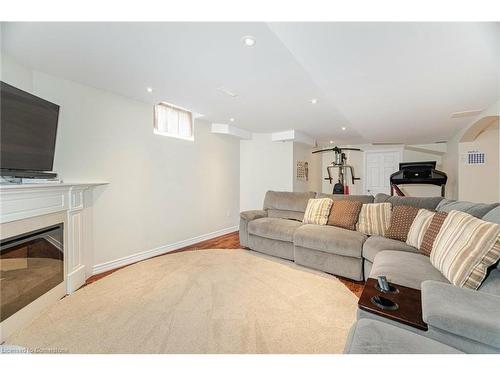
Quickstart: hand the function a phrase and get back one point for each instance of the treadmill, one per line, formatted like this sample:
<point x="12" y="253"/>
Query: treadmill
<point x="420" y="172"/>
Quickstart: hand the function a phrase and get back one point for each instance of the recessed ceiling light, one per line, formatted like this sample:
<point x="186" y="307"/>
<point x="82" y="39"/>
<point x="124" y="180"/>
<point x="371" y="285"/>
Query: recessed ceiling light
<point x="231" y="119"/>
<point x="331" y="142"/>
<point x="314" y="101"/>
<point x="248" y="41"/>
<point x="343" y="128"/>
<point x="149" y="89"/>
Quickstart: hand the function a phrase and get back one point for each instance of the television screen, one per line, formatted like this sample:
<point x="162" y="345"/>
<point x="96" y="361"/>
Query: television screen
<point x="28" y="130"/>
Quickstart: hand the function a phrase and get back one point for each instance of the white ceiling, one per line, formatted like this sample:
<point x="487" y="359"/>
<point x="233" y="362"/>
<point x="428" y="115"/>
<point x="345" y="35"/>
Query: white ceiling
<point x="385" y="82"/>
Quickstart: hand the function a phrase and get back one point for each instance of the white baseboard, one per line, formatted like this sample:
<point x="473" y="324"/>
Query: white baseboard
<point x="110" y="265"/>
<point x="75" y="279"/>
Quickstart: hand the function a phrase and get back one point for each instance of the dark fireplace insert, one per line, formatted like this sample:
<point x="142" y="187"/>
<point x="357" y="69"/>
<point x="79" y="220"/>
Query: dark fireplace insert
<point x="31" y="264"/>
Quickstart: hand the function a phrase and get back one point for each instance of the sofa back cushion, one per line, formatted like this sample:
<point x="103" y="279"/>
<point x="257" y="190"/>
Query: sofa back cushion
<point x="344" y="214"/>
<point x="493" y="216"/>
<point x="401" y="221"/>
<point x="342" y="197"/>
<point x="286" y="201"/>
<point x="465" y="248"/>
<point x="478" y="210"/>
<point x="374" y="218"/>
<point x="429" y="203"/>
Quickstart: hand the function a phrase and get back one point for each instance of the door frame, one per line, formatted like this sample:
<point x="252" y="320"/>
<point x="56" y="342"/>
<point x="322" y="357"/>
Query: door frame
<point x="399" y="150"/>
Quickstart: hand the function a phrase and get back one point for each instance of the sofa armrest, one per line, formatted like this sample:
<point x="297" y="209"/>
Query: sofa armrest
<point x="463" y="312"/>
<point x="253" y="214"/>
<point x="245" y="218"/>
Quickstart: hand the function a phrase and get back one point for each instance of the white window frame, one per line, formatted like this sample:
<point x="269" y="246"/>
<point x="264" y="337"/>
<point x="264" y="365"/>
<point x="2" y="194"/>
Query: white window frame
<point x="166" y="133"/>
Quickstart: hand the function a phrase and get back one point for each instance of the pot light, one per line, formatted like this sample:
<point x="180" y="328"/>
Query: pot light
<point x="344" y="128"/>
<point x="314" y="101"/>
<point x="149" y="89"/>
<point x="331" y="142"/>
<point x="248" y="41"/>
<point x="231" y="119"/>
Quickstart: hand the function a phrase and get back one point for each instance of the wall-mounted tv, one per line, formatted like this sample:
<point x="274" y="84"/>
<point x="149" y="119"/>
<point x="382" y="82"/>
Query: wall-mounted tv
<point x="27" y="132"/>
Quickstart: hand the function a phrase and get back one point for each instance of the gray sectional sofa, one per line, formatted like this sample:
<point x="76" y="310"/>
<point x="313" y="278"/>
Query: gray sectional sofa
<point x="459" y="320"/>
<point x="278" y="230"/>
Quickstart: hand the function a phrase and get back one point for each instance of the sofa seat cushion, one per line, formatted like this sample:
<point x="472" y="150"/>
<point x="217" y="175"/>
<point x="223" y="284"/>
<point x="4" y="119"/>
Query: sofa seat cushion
<point x="405" y="268"/>
<point x="330" y="239"/>
<point x="491" y="284"/>
<point x="274" y="228"/>
<point x="285" y="214"/>
<point x="375" y="244"/>
<point x="368" y="336"/>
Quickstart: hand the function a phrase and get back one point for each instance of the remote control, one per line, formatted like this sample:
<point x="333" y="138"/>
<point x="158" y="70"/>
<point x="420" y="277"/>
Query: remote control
<point x="383" y="284"/>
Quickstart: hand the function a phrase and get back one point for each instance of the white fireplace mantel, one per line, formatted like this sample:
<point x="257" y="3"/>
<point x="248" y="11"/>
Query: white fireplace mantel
<point x="28" y="207"/>
<point x="74" y="199"/>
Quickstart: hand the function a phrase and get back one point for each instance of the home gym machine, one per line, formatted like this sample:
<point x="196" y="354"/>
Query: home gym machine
<point x="340" y="163"/>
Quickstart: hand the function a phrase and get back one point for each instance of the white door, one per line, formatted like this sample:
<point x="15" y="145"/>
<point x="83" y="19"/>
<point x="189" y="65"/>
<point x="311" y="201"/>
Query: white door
<point x="379" y="165"/>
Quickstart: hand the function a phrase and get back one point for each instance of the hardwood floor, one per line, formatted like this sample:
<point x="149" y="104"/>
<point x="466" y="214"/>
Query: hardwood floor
<point x="228" y="241"/>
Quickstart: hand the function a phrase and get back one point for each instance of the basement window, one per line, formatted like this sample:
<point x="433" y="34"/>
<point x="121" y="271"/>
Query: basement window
<point x="173" y="121"/>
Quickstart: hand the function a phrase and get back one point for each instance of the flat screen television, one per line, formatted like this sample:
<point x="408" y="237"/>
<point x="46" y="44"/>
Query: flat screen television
<point x="27" y="132"/>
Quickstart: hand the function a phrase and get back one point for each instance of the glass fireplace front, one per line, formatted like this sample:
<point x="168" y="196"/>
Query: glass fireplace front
<point x="31" y="264"/>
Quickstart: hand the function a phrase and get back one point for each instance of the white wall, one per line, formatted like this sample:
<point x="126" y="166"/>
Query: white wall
<point x="264" y="165"/>
<point x="457" y="174"/>
<point x="162" y="190"/>
<point x="479" y="183"/>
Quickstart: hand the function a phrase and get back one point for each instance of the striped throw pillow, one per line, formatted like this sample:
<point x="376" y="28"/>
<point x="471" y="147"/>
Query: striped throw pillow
<point x="419" y="227"/>
<point x="374" y="218"/>
<point x="317" y="211"/>
<point x="432" y="232"/>
<point x="464" y="249"/>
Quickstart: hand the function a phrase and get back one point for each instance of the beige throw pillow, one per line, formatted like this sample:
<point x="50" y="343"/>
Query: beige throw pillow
<point x="317" y="211"/>
<point x="419" y="227"/>
<point x="374" y="218"/>
<point x="464" y="249"/>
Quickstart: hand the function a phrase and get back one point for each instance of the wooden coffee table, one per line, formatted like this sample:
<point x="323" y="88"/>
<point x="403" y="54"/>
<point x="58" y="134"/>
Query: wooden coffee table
<point x="409" y="303"/>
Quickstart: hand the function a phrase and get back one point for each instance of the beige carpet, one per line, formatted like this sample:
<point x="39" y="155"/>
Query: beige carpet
<point x="210" y="301"/>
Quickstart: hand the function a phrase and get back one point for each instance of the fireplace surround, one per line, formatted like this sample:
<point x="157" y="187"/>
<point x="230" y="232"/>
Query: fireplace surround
<point x="46" y="247"/>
